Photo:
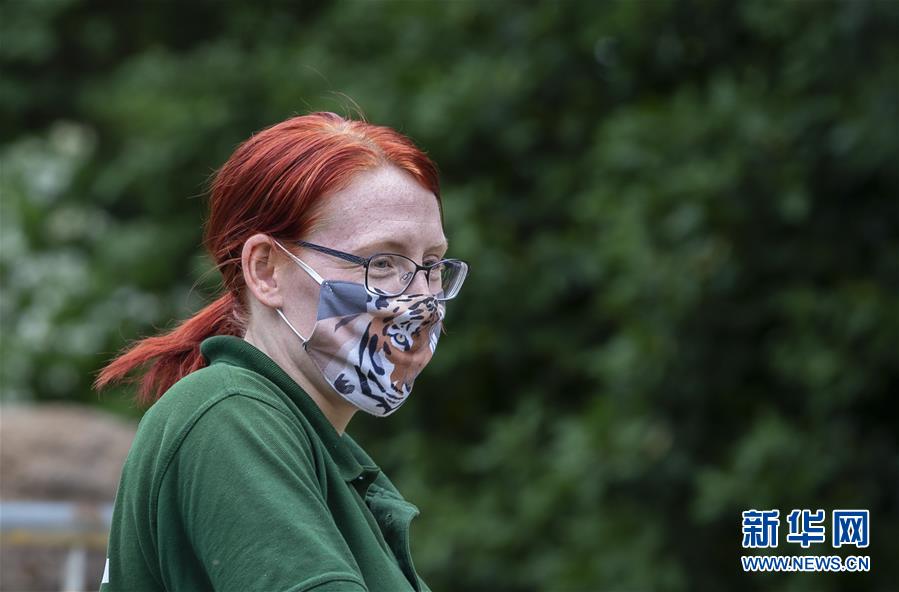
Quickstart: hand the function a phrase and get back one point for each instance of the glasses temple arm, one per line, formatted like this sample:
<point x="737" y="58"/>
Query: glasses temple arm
<point x="334" y="253"/>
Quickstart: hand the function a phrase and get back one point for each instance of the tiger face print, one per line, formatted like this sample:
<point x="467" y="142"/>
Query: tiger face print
<point x="372" y="359"/>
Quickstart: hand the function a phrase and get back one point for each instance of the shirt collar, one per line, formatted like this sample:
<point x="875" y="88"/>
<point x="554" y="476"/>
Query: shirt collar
<point x="354" y="464"/>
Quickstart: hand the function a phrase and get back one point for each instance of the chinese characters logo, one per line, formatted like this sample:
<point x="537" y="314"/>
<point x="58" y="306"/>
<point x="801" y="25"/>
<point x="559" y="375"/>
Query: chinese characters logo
<point x="806" y="527"/>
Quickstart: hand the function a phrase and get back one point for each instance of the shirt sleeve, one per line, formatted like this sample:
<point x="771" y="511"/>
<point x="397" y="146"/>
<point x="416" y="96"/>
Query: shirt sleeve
<point x="244" y="484"/>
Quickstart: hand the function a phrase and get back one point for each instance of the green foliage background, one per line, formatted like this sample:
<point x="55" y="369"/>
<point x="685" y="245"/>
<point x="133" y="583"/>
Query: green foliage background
<point x="681" y="217"/>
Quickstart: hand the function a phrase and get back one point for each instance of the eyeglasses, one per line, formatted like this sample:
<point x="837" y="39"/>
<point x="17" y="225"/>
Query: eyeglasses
<point x="390" y="274"/>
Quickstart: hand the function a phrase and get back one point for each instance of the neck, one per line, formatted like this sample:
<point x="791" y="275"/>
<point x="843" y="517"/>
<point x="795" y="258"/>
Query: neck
<point x="338" y="412"/>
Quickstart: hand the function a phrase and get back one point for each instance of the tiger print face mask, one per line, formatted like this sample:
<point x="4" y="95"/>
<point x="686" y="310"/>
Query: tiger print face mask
<point x="370" y="348"/>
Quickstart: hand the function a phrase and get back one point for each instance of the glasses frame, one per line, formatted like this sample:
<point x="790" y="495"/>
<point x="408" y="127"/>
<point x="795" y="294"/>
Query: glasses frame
<point x="366" y="261"/>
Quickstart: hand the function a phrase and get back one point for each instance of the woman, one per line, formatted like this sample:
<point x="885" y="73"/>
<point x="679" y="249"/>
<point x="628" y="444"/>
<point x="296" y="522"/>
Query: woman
<point x="328" y="234"/>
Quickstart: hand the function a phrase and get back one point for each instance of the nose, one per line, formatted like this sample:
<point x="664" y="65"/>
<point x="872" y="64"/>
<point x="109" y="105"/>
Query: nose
<point x="419" y="284"/>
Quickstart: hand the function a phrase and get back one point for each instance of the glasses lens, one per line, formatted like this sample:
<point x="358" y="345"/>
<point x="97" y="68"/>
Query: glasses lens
<point x="389" y="274"/>
<point x="452" y="274"/>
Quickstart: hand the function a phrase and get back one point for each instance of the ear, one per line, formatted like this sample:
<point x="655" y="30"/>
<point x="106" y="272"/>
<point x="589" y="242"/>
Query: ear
<point x="260" y="272"/>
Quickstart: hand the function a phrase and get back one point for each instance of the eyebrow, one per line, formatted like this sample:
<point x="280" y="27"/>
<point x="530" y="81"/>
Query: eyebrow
<point x="399" y="246"/>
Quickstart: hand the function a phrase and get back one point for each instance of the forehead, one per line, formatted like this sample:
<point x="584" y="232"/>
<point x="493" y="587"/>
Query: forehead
<point x="379" y="205"/>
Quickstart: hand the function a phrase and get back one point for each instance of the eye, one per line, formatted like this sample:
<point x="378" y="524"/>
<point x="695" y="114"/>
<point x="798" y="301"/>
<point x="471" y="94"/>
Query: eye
<point x="382" y="263"/>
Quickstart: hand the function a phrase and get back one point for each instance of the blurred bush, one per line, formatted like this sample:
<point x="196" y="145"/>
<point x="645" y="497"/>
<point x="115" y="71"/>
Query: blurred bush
<point x="682" y="223"/>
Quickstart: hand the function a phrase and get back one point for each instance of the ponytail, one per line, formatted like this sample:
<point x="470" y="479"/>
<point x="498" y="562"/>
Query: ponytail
<point x="173" y="355"/>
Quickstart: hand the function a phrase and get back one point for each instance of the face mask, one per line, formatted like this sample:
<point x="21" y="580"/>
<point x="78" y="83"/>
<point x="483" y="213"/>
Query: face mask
<point x="370" y="348"/>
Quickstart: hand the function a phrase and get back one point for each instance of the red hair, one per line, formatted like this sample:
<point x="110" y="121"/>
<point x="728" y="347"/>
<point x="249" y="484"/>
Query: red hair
<point x="270" y="185"/>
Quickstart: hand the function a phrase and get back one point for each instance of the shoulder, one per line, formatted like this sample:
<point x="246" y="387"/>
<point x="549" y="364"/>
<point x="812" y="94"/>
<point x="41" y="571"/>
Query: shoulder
<point x="188" y="400"/>
<point x="208" y="385"/>
<point x="209" y="403"/>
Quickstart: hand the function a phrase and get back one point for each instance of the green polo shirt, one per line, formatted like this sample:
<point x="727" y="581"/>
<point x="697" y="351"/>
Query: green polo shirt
<point x="237" y="481"/>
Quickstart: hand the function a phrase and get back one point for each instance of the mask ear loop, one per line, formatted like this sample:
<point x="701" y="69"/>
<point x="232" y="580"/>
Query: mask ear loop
<point x="289" y="324"/>
<point x="302" y="264"/>
<point x="308" y="270"/>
